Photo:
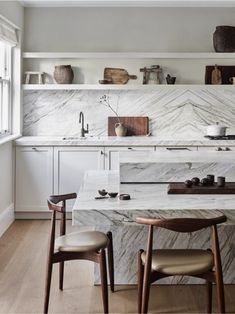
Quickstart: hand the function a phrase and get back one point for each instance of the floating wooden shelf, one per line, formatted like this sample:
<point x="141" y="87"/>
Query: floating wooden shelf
<point x="128" y="55"/>
<point x="119" y="87"/>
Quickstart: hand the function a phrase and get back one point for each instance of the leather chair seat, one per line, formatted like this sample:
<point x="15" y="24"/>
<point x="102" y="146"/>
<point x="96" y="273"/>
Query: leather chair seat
<point x="86" y="241"/>
<point x="181" y="262"/>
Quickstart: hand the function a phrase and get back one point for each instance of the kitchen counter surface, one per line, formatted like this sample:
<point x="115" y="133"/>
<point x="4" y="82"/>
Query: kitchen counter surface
<point x="143" y="196"/>
<point x="115" y="141"/>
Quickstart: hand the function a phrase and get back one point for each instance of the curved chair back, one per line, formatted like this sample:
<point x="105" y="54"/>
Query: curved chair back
<point x="182" y="224"/>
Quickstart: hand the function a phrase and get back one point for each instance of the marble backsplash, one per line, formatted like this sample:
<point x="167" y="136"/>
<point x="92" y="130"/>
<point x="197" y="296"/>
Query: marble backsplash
<point x="174" y="113"/>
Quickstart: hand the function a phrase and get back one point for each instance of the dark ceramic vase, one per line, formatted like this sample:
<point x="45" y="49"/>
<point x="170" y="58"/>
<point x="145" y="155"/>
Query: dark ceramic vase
<point x="224" y="39"/>
<point x="63" y="74"/>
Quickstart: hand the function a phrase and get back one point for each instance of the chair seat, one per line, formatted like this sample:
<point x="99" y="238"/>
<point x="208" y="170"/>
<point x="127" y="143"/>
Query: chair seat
<point x="181" y="262"/>
<point x="86" y="241"/>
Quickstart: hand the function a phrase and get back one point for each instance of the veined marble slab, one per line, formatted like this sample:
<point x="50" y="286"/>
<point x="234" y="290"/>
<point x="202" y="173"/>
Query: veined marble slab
<point x="176" y="166"/>
<point x="174" y="113"/>
<point x="152" y="201"/>
<point x="118" y="141"/>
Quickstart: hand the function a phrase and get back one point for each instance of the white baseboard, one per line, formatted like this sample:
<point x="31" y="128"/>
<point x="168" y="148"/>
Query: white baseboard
<point x="6" y="218"/>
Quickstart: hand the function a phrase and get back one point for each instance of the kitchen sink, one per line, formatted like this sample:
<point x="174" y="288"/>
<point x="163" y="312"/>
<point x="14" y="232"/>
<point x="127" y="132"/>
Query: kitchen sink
<point x="79" y="138"/>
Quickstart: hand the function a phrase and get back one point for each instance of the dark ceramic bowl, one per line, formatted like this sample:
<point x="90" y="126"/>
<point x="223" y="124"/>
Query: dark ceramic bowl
<point x="113" y="194"/>
<point x="102" y="192"/>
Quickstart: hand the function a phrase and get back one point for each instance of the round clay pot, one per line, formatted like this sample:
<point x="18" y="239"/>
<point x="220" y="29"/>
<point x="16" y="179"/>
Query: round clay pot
<point x="120" y="129"/>
<point x="63" y="74"/>
<point x="224" y="39"/>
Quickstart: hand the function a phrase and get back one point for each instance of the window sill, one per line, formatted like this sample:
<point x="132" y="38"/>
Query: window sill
<point x="9" y="138"/>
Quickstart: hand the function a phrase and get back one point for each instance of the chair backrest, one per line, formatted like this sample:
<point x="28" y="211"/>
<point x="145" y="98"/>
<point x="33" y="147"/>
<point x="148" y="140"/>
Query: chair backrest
<point x="58" y="208"/>
<point x="182" y="224"/>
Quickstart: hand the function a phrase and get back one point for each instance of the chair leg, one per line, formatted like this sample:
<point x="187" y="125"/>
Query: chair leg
<point x="146" y="291"/>
<point x="209" y="296"/>
<point x="140" y="280"/>
<point x="103" y="277"/>
<point x="220" y="292"/>
<point x="48" y="286"/>
<point x="61" y="275"/>
<point x="110" y="260"/>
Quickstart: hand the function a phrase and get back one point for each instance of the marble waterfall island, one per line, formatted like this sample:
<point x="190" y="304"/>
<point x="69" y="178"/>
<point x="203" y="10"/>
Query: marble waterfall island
<point x="152" y="200"/>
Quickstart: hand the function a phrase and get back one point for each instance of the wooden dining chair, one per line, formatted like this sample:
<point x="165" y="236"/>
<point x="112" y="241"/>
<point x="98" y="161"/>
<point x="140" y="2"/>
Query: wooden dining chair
<point x="157" y="264"/>
<point x="83" y="245"/>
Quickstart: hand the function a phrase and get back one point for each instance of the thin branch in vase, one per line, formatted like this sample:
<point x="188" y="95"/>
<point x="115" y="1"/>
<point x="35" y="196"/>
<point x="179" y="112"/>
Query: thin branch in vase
<point x="104" y="100"/>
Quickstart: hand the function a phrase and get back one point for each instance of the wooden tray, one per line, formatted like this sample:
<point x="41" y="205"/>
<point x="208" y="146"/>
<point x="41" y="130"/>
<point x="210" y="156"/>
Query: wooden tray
<point x="227" y="71"/>
<point x="135" y="125"/>
<point x="180" y="188"/>
<point x="118" y="76"/>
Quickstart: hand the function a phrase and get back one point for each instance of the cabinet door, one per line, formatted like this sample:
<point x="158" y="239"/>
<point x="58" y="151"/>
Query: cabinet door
<point x="112" y="155"/>
<point x="70" y="165"/>
<point x="34" y="178"/>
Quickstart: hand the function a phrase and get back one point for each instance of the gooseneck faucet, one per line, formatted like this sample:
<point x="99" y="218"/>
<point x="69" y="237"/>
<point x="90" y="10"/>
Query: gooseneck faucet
<point x="81" y="120"/>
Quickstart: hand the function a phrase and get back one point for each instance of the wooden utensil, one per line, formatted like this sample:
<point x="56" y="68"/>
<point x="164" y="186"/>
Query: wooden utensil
<point x="135" y="125"/>
<point x="180" y="188"/>
<point x="227" y="71"/>
<point x="118" y="76"/>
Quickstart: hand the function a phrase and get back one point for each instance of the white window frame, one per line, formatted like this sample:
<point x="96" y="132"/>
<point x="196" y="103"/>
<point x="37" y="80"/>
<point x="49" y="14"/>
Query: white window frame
<point x="6" y="130"/>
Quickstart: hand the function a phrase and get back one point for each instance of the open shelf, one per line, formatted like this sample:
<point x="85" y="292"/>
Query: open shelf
<point x="128" y="55"/>
<point x="119" y="87"/>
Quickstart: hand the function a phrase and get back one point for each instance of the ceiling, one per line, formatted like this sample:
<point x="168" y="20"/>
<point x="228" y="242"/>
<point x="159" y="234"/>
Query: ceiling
<point x="128" y="3"/>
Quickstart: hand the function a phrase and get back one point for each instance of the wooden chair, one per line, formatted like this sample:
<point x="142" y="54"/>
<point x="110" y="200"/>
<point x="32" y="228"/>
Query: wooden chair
<point x="88" y="245"/>
<point x="156" y="264"/>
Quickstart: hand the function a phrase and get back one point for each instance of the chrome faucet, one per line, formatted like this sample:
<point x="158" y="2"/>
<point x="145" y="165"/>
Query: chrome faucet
<point x="81" y="120"/>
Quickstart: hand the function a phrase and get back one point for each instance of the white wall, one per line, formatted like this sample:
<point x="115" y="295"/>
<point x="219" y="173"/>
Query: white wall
<point x="13" y="11"/>
<point x="6" y="186"/>
<point x="123" y="29"/>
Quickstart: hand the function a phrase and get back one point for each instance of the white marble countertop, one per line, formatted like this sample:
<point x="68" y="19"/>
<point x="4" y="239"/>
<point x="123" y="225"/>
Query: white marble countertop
<point x="143" y="196"/>
<point x="117" y="141"/>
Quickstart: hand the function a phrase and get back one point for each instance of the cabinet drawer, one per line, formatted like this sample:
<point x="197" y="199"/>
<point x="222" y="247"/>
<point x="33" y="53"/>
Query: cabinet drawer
<point x="112" y="154"/>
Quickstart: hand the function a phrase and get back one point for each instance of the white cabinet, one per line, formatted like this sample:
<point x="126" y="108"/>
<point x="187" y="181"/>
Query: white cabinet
<point x="34" y="178"/>
<point x="112" y="155"/>
<point x="70" y="165"/>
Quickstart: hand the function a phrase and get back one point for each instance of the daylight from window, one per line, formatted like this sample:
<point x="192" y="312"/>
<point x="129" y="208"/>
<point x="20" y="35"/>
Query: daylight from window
<point x="5" y="84"/>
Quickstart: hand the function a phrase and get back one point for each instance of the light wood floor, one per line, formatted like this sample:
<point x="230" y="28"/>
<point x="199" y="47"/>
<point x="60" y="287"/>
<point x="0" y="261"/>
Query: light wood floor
<point x="22" y="272"/>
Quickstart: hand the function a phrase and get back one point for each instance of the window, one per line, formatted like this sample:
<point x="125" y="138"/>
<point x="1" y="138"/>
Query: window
<point x="5" y="88"/>
<point x="8" y="40"/>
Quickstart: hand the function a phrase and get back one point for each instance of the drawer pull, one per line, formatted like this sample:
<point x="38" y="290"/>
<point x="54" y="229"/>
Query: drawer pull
<point x="177" y="148"/>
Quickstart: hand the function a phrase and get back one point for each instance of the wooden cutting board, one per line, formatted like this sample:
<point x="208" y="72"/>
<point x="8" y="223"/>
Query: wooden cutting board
<point x="117" y="76"/>
<point x="180" y="188"/>
<point x="227" y="71"/>
<point x="135" y="125"/>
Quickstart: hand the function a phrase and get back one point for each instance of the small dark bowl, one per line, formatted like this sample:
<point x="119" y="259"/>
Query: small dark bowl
<point x="195" y="181"/>
<point x="188" y="183"/>
<point x="102" y="192"/>
<point x="205" y="182"/>
<point x="113" y="194"/>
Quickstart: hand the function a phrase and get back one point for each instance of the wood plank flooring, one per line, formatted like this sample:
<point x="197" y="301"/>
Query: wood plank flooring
<point x="22" y="273"/>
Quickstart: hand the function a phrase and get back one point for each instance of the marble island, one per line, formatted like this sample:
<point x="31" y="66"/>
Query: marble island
<point x="151" y="200"/>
